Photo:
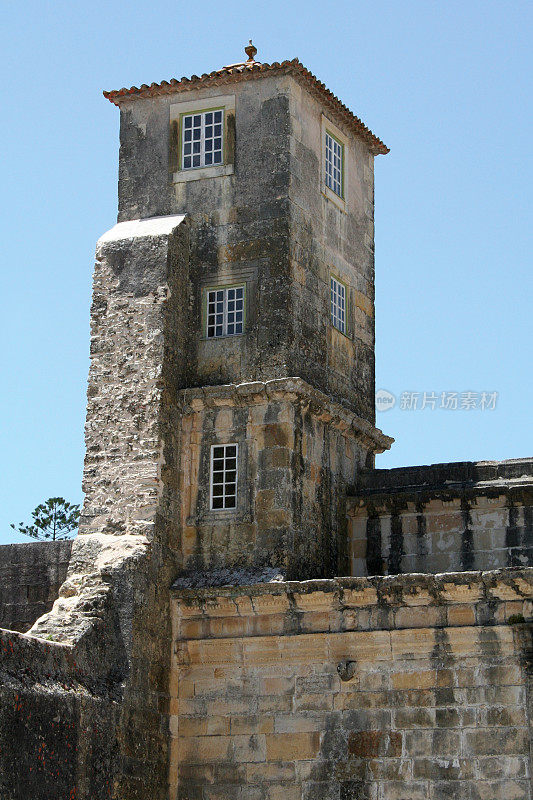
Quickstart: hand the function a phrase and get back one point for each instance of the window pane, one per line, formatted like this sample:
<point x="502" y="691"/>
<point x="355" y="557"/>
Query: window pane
<point x="225" y="308"/>
<point x="333" y="165"/>
<point x="338" y="304"/>
<point x="206" y="133"/>
<point x="224" y="476"/>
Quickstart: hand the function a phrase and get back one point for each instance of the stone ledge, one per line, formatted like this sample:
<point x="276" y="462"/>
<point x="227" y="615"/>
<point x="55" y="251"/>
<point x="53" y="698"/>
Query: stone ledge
<point x="292" y="388"/>
<point x="422" y="590"/>
<point x="464" y="478"/>
<point x="139" y="228"/>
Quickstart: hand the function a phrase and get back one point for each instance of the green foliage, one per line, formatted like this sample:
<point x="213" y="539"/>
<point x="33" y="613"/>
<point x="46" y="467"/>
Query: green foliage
<point x="54" y="519"/>
<point x="516" y="619"/>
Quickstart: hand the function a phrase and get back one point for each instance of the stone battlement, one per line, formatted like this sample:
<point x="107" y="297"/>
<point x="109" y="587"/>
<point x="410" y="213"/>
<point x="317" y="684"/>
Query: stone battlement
<point x="442" y="518"/>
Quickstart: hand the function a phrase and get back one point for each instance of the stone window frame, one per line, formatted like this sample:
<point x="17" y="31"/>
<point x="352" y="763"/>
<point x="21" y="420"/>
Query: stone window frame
<point x="335" y="277"/>
<point x="202" y="514"/>
<point x="222" y="287"/>
<point x="225" y="483"/>
<point x="329" y="128"/>
<point x="178" y="111"/>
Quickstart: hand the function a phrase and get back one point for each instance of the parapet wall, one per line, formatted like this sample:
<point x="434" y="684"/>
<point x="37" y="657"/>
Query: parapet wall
<point x="442" y="518"/>
<point x="30" y="577"/>
<point x="412" y="687"/>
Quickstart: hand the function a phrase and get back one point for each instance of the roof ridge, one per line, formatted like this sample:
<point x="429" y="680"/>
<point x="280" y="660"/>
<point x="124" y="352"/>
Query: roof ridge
<point x="249" y="70"/>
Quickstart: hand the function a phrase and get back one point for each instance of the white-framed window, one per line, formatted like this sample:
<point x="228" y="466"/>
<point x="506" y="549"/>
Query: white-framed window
<point x="202" y="139"/>
<point x="338" y="304"/>
<point x="223" y="479"/>
<point x="334" y="166"/>
<point x="335" y="163"/>
<point x="225" y="311"/>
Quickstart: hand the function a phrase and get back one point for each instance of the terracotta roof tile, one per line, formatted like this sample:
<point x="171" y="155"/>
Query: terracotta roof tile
<point x="249" y="70"/>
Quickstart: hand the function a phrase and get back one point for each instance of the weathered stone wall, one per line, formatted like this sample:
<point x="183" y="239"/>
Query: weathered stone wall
<point x="59" y="708"/>
<point x="405" y="688"/>
<point x="112" y="619"/>
<point x="238" y="224"/>
<point x="30" y="576"/>
<point x="131" y="508"/>
<point x="442" y="518"/>
<point x="298" y="452"/>
<point x="330" y="240"/>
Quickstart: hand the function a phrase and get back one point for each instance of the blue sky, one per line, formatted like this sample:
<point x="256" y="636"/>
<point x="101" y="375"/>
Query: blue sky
<point x="446" y="85"/>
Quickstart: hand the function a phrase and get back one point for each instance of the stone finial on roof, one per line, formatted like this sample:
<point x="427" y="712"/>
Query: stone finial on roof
<point x="250" y="51"/>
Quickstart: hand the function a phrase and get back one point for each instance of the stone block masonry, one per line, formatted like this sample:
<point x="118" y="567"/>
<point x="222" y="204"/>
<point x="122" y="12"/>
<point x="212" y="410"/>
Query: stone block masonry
<point x="442" y="518"/>
<point x="30" y="576"/>
<point x="368" y="689"/>
<point x="298" y="451"/>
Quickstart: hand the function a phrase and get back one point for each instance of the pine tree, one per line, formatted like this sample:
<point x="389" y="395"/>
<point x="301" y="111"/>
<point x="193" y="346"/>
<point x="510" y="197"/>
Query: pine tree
<point x="54" y="519"/>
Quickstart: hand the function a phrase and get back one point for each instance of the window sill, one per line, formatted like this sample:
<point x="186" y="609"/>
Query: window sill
<point x="211" y="515"/>
<point x="185" y="175"/>
<point x="341" y="333"/>
<point x="334" y="198"/>
<point x="222" y="338"/>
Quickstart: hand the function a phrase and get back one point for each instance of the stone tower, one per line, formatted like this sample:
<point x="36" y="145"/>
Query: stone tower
<point x="230" y="431"/>
<point x="233" y="321"/>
